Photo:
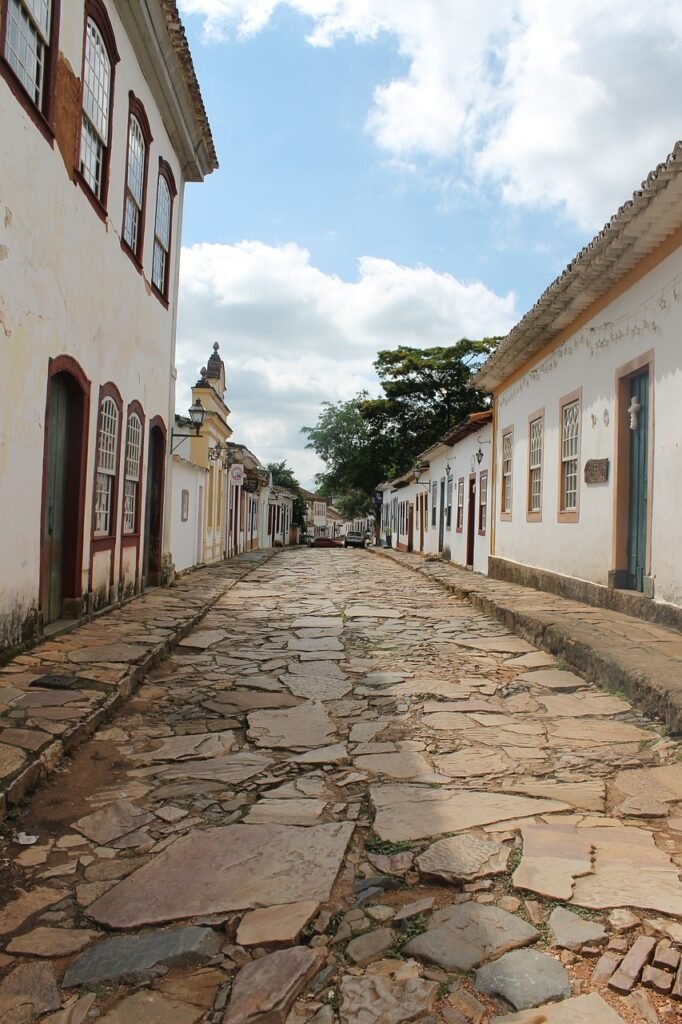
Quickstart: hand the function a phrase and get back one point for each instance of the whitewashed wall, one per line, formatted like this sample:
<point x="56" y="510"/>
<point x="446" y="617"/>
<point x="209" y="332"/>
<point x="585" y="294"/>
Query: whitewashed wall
<point x="187" y="534"/>
<point x="648" y="316"/>
<point x="67" y="288"/>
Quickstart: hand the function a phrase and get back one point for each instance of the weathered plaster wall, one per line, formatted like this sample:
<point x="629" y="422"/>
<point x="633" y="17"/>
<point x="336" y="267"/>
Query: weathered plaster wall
<point x="68" y="288"/>
<point x="186" y="535"/>
<point x="648" y="316"/>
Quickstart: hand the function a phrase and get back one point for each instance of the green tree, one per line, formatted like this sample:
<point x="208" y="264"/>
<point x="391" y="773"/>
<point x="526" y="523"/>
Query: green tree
<point x="283" y="476"/>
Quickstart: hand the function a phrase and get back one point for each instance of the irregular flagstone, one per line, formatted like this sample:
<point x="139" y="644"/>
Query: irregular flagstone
<point x="203" y="638"/>
<point x="11" y="760"/>
<point x="362" y="611"/>
<point x="266" y="989"/>
<point x="317" y="687"/>
<point x="52" y="941"/>
<point x="447" y="720"/>
<point x="235" y="702"/>
<point x="307" y="725"/>
<point x="418" y="812"/>
<point x="108" y="652"/>
<point x="588" y="796"/>
<point x="629" y="871"/>
<point x="377" y="1000"/>
<point x="497" y="645"/>
<point x="473" y="761"/>
<point x="25" y="905"/>
<point x="285" y="812"/>
<point x="279" y="924"/>
<point x="330" y="643"/>
<point x="663" y="784"/>
<point x="237" y="867"/>
<point x="335" y="754"/>
<point x="465" y="857"/>
<point x="230" y="768"/>
<point x="589" y="1009"/>
<point x="404" y="764"/>
<point x="179" y="748"/>
<point x="569" y="931"/>
<point x="573" y="732"/>
<point x="138" y="957"/>
<point x="552" y="678"/>
<point x="525" y="978"/>
<point x="113" y="821"/>
<point x="152" y="1008"/>
<point x="76" y="1013"/>
<point x="304" y="786"/>
<point x="553" y="857"/>
<point x="197" y="988"/>
<point x="461" y="937"/>
<point x="27" y="992"/>
<point x="576" y="705"/>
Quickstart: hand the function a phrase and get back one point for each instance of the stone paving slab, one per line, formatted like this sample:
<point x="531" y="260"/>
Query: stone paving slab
<point x="615" y="650"/>
<point x="87" y="673"/>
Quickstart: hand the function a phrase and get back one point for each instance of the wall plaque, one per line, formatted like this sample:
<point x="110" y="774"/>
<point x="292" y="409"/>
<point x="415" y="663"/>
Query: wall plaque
<point x="596" y="471"/>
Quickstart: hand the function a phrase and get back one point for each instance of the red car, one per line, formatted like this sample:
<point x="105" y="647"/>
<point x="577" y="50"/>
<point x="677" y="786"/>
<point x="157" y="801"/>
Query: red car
<point x="326" y="542"/>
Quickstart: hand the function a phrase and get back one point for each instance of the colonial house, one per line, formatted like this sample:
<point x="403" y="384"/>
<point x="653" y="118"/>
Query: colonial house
<point x="440" y="507"/>
<point x="587" y="493"/>
<point x="316" y="513"/>
<point x="281" y="531"/>
<point x="334" y="522"/>
<point x="102" y="125"/>
<point x="248" y="501"/>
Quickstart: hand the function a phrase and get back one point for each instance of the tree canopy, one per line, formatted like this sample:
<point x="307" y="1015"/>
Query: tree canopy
<point x="425" y="392"/>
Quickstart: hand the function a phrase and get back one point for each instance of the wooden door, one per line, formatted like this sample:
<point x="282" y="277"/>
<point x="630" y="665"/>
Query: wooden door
<point x="54" y="523"/>
<point x="154" y="508"/>
<point x="422" y="513"/>
<point x="639" y="480"/>
<point x="471" y="522"/>
<point x="410" y="527"/>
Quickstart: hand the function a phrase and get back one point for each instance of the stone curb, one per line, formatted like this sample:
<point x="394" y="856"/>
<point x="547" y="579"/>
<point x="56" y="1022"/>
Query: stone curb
<point x="17" y="788"/>
<point x="617" y="669"/>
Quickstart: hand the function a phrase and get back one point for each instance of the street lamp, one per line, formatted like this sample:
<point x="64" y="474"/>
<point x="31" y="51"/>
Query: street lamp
<point x="197" y="417"/>
<point x="479" y="453"/>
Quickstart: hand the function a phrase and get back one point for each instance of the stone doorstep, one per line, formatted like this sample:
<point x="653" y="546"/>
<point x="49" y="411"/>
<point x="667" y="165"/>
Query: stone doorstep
<point x="16" y="788"/>
<point x="645" y="689"/>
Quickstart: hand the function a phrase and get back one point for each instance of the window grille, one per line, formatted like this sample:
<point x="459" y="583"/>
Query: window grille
<point x="483" y="503"/>
<point x="506" y="473"/>
<point x="460" y="503"/>
<point x="27" y="42"/>
<point x="106" y="466"/>
<point x="132" y="472"/>
<point x="137" y="150"/>
<point x="570" y="434"/>
<point x="95" y="127"/>
<point x="535" y="466"/>
<point x="162" y="231"/>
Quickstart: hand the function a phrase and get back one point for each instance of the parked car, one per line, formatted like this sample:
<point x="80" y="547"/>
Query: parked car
<point x="326" y="542"/>
<point x="355" y="539"/>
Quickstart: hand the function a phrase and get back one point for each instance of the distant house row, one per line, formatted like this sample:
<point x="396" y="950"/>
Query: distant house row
<point x="572" y="480"/>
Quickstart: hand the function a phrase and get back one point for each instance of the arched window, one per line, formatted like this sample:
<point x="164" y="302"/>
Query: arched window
<point x="27" y="46"/>
<point x="107" y="457"/>
<point x="139" y="140"/>
<point x="132" y="474"/>
<point x="165" y="193"/>
<point x="99" y="59"/>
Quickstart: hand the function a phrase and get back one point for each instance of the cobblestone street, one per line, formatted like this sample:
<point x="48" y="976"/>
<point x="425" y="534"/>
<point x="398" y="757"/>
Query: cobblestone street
<point x="348" y="797"/>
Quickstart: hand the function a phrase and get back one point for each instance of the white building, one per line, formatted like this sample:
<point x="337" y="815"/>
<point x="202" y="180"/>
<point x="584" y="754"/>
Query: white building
<point x="441" y="506"/>
<point x="281" y="531"/>
<point x="588" y="417"/>
<point x="102" y="124"/>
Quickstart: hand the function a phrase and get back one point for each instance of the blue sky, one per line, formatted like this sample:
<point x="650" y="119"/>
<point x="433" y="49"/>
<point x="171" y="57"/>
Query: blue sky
<point x="400" y="172"/>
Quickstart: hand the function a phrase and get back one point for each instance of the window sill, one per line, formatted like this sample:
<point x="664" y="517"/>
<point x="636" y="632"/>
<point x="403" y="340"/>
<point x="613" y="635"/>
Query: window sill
<point x="97" y="204"/>
<point x="505" y="517"/>
<point x="533" y="517"/>
<point x="568" y="517"/>
<point x="25" y="101"/>
<point x="160" y="296"/>
<point x="131" y="256"/>
<point x="130" y="538"/>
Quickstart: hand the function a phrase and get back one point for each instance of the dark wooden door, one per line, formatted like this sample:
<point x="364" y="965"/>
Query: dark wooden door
<point x="422" y="514"/>
<point x="153" y="509"/>
<point x="410" y="527"/>
<point x="55" y="499"/>
<point x="639" y="480"/>
<point x="471" y="521"/>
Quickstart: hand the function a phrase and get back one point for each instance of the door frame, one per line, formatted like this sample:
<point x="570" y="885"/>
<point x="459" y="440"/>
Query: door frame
<point x="618" y="576"/>
<point x="77" y="465"/>
<point x="152" y="571"/>
<point x="470" y="553"/>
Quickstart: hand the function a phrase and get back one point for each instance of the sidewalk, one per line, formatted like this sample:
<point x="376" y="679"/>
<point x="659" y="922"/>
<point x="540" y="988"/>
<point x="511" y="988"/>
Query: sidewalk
<point x="56" y="695"/>
<point x="614" y="650"/>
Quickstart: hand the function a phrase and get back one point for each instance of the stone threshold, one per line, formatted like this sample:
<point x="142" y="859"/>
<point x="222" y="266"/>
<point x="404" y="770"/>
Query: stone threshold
<point x="612" y="649"/>
<point x="206" y="586"/>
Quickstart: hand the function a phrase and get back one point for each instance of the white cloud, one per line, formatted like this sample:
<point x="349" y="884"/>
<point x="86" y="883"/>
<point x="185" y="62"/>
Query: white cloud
<point x="292" y="336"/>
<point x="561" y="103"/>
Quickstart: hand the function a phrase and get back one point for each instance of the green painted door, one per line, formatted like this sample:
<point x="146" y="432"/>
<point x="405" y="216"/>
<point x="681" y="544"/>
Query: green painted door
<point x="639" y="480"/>
<point x="55" y="495"/>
